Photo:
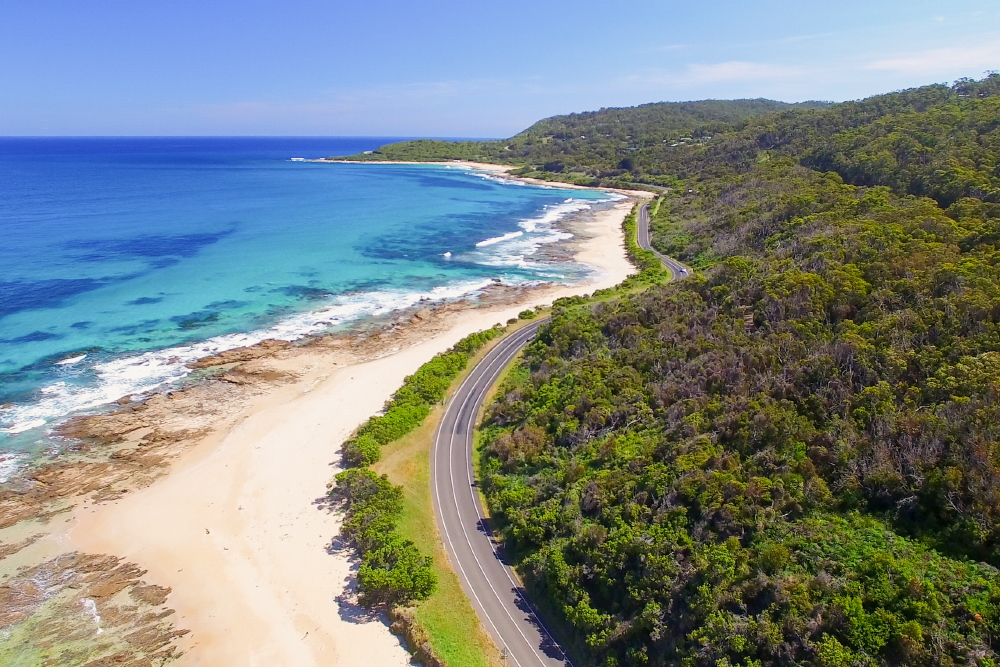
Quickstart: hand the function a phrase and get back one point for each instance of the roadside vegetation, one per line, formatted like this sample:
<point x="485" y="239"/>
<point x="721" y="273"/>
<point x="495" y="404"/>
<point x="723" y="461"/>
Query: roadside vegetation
<point x="792" y="457"/>
<point x="393" y="571"/>
<point x="390" y="516"/>
<point x="411" y="404"/>
<point x="446" y="620"/>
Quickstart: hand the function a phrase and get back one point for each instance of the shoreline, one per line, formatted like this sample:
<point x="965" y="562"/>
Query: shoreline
<point x="185" y="353"/>
<point x="254" y="475"/>
<point x="499" y="170"/>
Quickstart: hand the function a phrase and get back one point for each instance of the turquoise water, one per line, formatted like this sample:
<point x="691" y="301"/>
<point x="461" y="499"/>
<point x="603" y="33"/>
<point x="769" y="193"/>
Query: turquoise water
<point x="125" y="258"/>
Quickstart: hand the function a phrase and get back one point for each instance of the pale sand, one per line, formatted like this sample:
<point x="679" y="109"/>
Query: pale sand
<point x="236" y="528"/>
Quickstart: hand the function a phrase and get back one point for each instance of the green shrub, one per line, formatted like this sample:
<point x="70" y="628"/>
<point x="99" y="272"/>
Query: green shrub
<point x="831" y="653"/>
<point x="362" y="450"/>
<point x="398" y="420"/>
<point x="394" y="573"/>
<point x="392" y="569"/>
<point x="471" y="343"/>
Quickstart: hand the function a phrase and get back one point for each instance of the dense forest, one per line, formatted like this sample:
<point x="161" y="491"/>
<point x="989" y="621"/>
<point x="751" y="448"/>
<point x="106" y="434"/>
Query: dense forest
<point x="938" y="141"/>
<point x="792" y="458"/>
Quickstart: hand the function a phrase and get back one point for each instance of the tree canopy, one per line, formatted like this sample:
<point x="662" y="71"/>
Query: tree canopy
<point x="792" y="458"/>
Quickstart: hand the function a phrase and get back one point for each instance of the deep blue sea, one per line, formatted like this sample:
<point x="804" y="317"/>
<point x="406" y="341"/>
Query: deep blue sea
<point x="124" y="258"/>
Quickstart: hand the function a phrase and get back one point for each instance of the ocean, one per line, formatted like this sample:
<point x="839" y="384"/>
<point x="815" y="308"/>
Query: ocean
<point x="125" y="258"/>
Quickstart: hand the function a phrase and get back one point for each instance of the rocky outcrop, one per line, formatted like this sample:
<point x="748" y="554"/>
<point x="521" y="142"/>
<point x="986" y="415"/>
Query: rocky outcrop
<point x="86" y="609"/>
<point x="264" y="348"/>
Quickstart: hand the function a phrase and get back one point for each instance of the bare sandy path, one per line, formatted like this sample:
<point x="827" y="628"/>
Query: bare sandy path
<point x="237" y="528"/>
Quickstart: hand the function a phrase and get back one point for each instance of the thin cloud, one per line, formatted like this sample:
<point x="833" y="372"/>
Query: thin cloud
<point x="738" y="70"/>
<point x="430" y="93"/>
<point x="935" y="61"/>
<point x="696" y="74"/>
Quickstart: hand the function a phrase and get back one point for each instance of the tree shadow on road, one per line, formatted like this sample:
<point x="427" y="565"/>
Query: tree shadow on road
<point x="548" y="646"/>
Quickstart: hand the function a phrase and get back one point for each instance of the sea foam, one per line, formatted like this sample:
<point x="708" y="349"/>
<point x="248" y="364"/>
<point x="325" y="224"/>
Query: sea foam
<point x="515" y="249"/>
<point x="10" y="463"/>
<point x="71" y="360"/>
<point x="294" y="228"/>
<point x="499" y="239"/>
<point x="147" y="371"/>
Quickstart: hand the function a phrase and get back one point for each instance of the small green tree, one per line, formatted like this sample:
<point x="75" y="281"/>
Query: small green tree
<point x="394" y="574"/>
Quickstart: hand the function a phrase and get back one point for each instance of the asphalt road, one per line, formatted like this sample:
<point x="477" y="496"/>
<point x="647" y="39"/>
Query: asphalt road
<point x="487" y="580"/>
<point x="642" y="233"/>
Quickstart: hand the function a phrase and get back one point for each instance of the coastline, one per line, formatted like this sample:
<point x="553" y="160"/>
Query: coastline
<point x="243" y="497"/>
<point x="499" y="170"/>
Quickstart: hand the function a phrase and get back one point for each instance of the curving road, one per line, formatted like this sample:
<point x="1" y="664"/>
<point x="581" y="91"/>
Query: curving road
<point x="492" y="588"/>
<point x="642" y="238"/>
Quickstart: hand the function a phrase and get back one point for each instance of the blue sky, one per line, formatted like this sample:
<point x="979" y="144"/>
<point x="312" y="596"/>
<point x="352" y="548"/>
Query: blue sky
<point x="472" y="69"/>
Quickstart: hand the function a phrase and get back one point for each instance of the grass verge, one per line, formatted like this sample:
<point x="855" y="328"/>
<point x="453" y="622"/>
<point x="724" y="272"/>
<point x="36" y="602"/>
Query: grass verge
<point x="447" y="616"/>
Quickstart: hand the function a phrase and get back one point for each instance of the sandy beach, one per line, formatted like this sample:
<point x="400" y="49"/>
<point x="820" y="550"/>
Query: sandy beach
<point x="236" y="526"/>
<point x="496" y="169"/>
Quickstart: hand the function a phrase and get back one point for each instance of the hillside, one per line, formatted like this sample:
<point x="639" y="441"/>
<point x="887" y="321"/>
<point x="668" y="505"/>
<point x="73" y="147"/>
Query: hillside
<point x="591" y="138"/>
<point x="794" y="457"/>
<point x="936" y="140"/>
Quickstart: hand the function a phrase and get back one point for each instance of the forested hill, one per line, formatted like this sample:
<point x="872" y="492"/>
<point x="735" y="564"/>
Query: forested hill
<point x="653" y="121"/>
<point x="792" y="458"/>
<point x="935" y="140"/>
<point x="594" y="137"/>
